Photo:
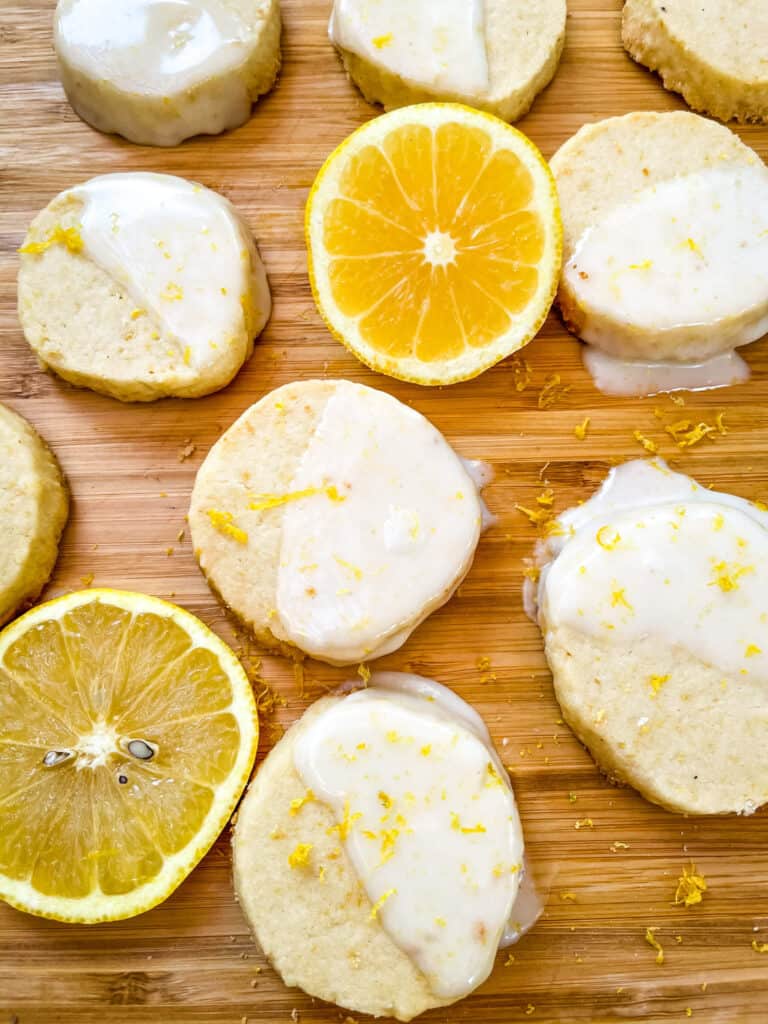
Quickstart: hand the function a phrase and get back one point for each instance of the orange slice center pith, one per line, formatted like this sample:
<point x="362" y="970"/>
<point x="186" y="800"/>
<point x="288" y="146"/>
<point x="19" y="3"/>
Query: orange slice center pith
<point x="432" y="241"/>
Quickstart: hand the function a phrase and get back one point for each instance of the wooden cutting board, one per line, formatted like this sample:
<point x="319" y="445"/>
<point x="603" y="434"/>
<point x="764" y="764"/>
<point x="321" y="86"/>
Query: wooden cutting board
<point x="131" y="469"/>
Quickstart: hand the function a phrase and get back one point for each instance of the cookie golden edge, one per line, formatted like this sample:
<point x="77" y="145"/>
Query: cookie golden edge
<point x="53" y="507"/>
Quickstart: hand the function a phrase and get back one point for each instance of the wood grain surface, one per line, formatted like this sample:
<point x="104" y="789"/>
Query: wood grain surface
<point x="131" y="469"/>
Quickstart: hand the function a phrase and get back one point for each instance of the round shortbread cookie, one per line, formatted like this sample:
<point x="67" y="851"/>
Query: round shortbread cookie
<point x="354" y="561"/>
<point x="328" y="945"/>
<point x="394" y="792"/>
<point x="142" y="286"/>
<point x="518" y="49"/>
<point x="715" y="54"/>
<point x="673" y="163"/>
<point x="158" y="72"/>
<point x="33" y="510"/>
<point x="651" y="605"/>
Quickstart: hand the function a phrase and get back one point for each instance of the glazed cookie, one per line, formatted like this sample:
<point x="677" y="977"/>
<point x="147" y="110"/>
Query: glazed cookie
<point x="378" y="853"/>
<point x="158" y="72"/>
<point x="33" y="510"/>
<point x="714" y="53"/>
<point x="142" y="286"/>
<point x="651" y="601"/>
<point x="332" y="519"/>
<point x="665" y="221"/>
<point x="496" y="55"/>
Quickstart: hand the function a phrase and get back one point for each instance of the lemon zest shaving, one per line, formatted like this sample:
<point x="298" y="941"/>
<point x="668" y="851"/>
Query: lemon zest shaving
<point x="356" y="572"/>
<point x="345" y="825"/>
<point x="299" y="858"/>
<point x="654" y="943"/>
<point x="546" y="499"/>
<point x="364" y="672"/>
<point x="173" y="292"/>
<point x="606" y="542"/>
<point x="380" y="903"/>
<point x="301" y="801"/>
<point x="522" y="371"/>
<point x="727" y="576"/>
<point x="650" y="446"/>
<point x="759" y="947"/>
<point x="381" y="41"/>
<point x="223" y="522"/>
<point x="265" y="501"/>
<point x="458" y="827"/>
<point x="657" y="682"/>
<point x="618" y="597"/>
<point x="580" y="430"/>
<point x="542" y="515"/>
<point x="552" y="391"/>
<point x="536" y="517"/>
<point x="752" y="650"/>
<point x="686" y="434"/>
<point x="70" y="238"/>
<point x="690" y="887"/>
<point x="389" y="837"/>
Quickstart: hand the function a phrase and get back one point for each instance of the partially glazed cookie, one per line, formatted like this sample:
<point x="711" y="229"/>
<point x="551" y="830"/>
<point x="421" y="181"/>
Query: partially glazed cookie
<point x="378" y="853"/>
<point x="496" y="55"/>
<point x="652" y="605"/>
<point x="715" y="54"/>
<point x="665" y="239"/>
<point x="333" y="519"/>
<point x="142" y="286"/>
<point x="33" y="510"/>
<point x="158" y="72"/>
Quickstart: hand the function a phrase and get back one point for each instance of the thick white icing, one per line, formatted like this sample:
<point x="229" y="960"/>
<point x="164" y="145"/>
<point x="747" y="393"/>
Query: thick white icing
<point x="615" y="376"/>
<point x="152" y="46"/>
<point x="654" y="553"/>
<point x="679" y="268"/>
<point x="357" y="575"/>
<point x="180" y="251"/>
<point x="439" y="46"/>
<point x="432" y="828"/>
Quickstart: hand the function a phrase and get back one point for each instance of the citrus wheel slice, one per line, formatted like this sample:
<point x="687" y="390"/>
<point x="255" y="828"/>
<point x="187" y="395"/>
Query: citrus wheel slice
<point x="434" y="242"/>
<point x="128" y="731"/>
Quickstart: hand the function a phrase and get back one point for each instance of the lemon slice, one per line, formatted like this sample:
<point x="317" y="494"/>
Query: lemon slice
<point x="128" y="731"/>
<point x="434" y="242"/>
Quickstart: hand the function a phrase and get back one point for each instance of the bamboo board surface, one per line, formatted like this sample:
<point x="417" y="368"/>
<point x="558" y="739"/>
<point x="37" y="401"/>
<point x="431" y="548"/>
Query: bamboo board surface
<point x="131" y="470"/>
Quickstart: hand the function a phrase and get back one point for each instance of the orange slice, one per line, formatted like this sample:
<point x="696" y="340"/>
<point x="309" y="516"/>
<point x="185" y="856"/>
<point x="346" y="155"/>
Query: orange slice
<point x="128" y="731"/>
<point x="434" y="242"/>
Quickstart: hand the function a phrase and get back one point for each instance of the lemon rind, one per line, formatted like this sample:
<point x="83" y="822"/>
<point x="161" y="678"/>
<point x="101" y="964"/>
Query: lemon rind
<point x="98" y="907"/>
